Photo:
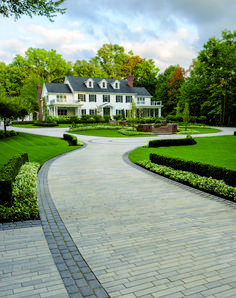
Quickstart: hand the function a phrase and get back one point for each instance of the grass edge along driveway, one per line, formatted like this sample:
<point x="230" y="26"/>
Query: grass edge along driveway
<point x="214" y="150"/>
<point x="39" y="148"/>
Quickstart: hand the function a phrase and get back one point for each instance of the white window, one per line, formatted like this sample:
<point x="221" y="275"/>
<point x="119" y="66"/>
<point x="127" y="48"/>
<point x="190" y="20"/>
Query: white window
<point x="119" y="98"/>
<point x="61" y="98"/>
<point x="81" y="97"/>
<point x="141" y="101"/>
<point x="118" y="112"/>
<point x="128" y="98"/>
<point x="91" y="112"/>
<point x="62" y="112"/>
<point x="92" y="98"/>
<point x="106" y="98"/>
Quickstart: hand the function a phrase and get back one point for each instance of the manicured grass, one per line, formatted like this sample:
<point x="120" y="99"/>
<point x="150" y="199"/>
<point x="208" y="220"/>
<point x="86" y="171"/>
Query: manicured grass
<point x="39" y="148"/>
<point x="218" y="151"/>
<point x="196" y="130"/>
<point x="34" y="126"/>
<point x="107" y="133"/>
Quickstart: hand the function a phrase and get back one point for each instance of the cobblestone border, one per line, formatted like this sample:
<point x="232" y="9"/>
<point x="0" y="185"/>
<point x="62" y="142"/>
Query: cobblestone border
<point x="201" y="193"/>
<point x="78" y="278"/>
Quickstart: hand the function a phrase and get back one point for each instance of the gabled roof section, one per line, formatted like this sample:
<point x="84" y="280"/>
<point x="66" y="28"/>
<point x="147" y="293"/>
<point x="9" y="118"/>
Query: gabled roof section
<point x="57" y="88"/>
<point x="77" y="84"/>
<point x="141" y="91"/>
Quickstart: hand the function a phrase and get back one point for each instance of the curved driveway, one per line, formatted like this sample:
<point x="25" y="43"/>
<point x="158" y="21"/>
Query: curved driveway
<point x="143" y="235"/>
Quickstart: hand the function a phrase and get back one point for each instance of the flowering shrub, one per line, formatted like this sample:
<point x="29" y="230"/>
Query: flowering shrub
<point x="217" y="187"/>
<point x="24" y="192"/>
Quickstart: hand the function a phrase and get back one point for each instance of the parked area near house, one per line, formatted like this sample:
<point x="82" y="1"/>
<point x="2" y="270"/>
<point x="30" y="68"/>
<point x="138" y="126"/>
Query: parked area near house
<point x="139" y="233"/>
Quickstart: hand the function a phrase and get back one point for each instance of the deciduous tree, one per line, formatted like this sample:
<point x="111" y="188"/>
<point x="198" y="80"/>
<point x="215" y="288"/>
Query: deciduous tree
<point x="17" y="9"/>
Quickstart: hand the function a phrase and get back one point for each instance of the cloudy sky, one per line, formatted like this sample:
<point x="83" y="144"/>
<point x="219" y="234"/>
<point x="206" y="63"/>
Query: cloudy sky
<point x="168" y="31"/>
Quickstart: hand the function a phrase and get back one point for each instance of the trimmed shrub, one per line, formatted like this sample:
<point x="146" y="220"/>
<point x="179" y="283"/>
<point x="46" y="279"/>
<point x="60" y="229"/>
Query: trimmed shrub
<point x="45" y="124"/>
<point x="8" y="174"/>
<point x="219" y="173"/>
<point x="71" y="139"/>
<point x="172" y="142"/>
<point x="24" y="193"/>
<point x="9" y="133"/>
<point x="22" y="122"/>
<point x="208" y="184"/>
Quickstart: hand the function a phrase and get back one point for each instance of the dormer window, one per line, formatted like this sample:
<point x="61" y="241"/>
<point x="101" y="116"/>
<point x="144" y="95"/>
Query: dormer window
<point x="103" y="84"/>
<point x="89" y="83"/>
<point x="116" y="84"/>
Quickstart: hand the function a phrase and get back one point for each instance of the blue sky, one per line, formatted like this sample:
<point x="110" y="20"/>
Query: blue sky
<point x="168" y="31"/>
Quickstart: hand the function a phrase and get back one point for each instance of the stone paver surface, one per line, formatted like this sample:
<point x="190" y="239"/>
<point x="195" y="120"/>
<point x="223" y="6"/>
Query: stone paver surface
<point x="142" y="235"/>
<point x="27" y="268"/>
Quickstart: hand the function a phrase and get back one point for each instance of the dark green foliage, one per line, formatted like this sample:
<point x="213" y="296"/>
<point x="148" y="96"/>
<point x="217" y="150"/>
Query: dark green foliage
<point x="22" y="122"/>
<point x="107" y="118"/>
<point x="45" y="124"/>
<point x="70" y="138"/>
<point x="234" y="133"/>
<point x="172" y="142"/>
<point x="9" y="133"/>
<point x="219" y="173"/>
<point x="8" y="174"/>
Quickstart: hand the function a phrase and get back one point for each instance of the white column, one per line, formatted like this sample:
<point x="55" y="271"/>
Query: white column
<point x="159" y="112"/>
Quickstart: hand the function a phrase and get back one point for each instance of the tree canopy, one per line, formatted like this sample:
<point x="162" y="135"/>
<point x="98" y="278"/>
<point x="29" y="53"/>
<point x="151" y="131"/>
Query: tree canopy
<point x="208" y="88"/>
<point x="17" y="9"/>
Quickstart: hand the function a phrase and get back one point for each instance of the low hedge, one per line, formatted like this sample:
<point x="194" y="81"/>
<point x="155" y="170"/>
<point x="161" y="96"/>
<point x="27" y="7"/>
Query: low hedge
<point x="172" y="142"/>
<point x="24" y="193"/>
<point x="73" y="140"/>
<point x="208" y="184"/>
<point x="9" y="133"/>
<point x="22" y="122"/>
<point x="219" y="173"/>
<point x="8" y="174"/>
<point x="45" y="124"/>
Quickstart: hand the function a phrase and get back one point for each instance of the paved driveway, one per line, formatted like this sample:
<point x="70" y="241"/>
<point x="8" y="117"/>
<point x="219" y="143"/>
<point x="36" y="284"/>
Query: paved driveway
<point x="142" y="235"/>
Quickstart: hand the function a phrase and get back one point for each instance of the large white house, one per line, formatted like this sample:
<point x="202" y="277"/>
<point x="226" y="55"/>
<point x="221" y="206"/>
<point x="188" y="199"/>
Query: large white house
<point x="80" y="95"/>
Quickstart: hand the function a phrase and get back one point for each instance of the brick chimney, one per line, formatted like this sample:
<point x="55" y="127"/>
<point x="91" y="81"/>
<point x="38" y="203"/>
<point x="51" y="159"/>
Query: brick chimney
<point x="39" y="95"/>
<point x="130" y="80"/>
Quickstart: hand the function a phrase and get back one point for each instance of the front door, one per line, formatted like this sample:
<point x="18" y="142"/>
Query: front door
<point x="106" y="111"/>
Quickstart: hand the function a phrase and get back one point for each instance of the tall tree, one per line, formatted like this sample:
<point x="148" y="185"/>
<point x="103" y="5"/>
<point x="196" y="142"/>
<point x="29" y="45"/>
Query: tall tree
<point x="16" y="8"/>
<point x="48" y="65"/>
<point x="145" y="75"/>
<point x="83" y="68"/>
<point x="111" y="58"/>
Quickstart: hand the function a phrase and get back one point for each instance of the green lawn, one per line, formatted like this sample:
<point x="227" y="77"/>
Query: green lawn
<point x="219" y="151"/>
<point x="34" y="126"/>
<point x="196" y="130"/>
<point x="107" y="133"/>
<point x="39" y="148"/>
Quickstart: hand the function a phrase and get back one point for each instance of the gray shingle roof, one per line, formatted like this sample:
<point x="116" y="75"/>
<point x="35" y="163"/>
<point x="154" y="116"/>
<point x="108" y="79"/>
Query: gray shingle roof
<point x="141" y="91"/>
<point x="77" y="83"/>
<point x="57" y="88"/>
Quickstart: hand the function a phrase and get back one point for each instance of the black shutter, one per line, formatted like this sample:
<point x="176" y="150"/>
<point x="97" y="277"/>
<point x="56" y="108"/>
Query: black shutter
<point x="121" y="98"/>
<point x="95" y="98"/>
<point x="103" y="98"/>
<point x="108" y="98"/>
<point x="84" y="97"/>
